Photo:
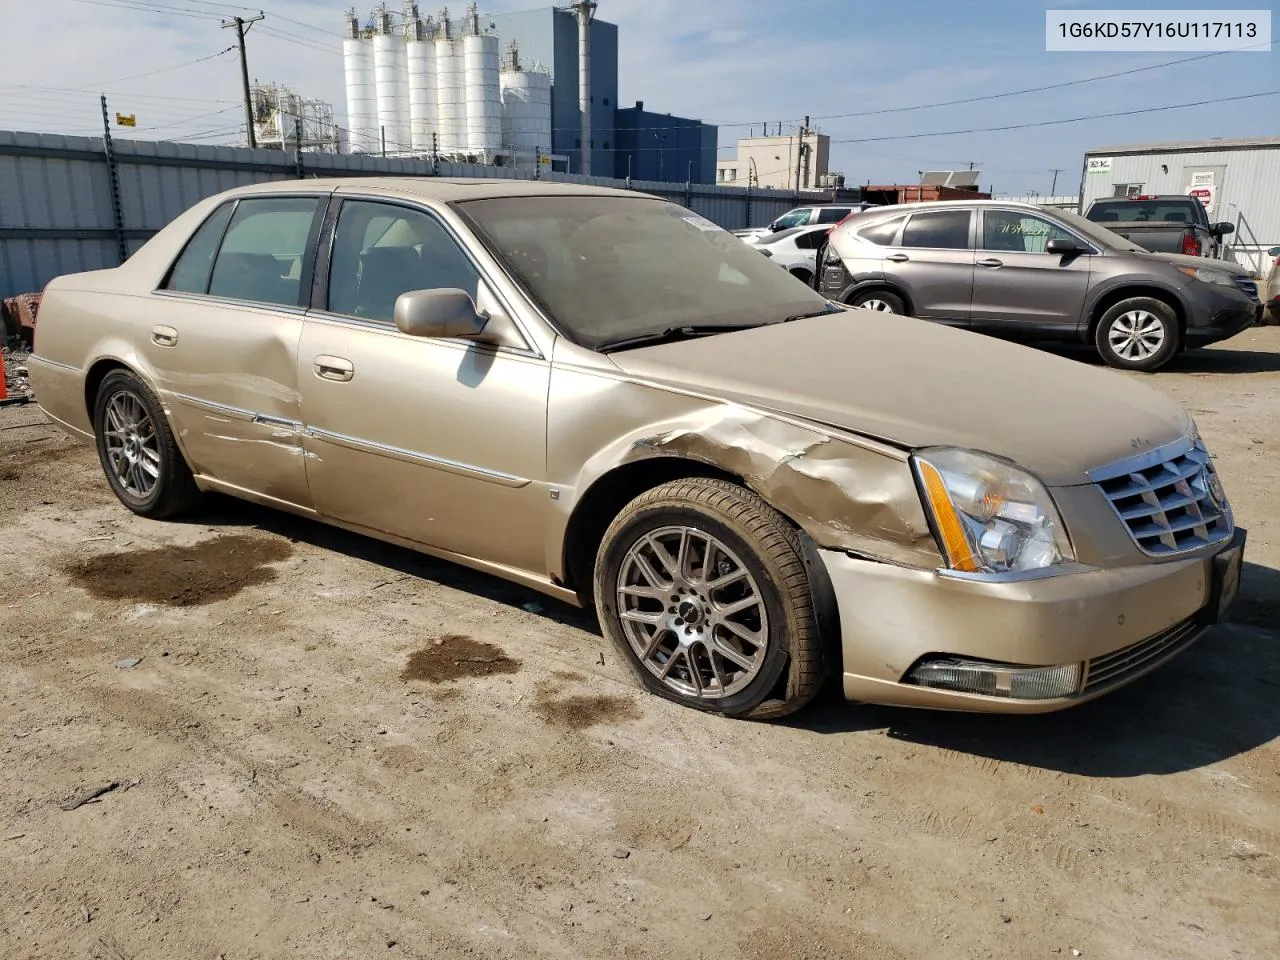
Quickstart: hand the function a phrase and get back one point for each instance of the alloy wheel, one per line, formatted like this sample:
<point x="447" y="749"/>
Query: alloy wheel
<point x="132" y="449"/>
<point x="692" y="612"/>
<point x="875" y="305"/>
<point x="1136" y="335"/>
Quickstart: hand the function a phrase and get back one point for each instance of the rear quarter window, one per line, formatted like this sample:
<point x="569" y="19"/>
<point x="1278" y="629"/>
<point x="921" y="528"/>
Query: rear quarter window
<point x="882" y="234"/>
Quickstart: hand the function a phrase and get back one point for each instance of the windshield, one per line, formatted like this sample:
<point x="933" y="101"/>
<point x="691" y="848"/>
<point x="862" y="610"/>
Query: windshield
<point x="613" y="268"/>
<point x="793" y="218"/>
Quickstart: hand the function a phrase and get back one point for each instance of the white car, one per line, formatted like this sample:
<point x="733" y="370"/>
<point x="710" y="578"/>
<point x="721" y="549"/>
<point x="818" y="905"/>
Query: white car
<point x="795" y="249"/>
<point x="825" y="213"/>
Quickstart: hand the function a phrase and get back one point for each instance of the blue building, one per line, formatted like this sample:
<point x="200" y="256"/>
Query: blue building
<point x="659" y="146"/>
<point x="550" y="35"/>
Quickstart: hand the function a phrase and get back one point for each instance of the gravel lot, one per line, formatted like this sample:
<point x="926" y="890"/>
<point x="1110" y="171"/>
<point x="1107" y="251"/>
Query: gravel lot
<point x="324" y="747"/>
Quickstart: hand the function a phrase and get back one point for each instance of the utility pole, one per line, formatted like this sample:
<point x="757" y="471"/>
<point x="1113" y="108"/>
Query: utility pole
<point x="804" y="132"/>
<point x="242" y="27"/>
<point x="1053" y="191"/>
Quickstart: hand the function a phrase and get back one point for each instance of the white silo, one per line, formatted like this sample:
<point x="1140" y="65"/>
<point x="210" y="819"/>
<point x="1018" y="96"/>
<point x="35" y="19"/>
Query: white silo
<point x="526" y="106"/>
<point x="362" y="105"/>
<point x="421" y="52"/>
<point x="484" y="97"/>
<point x="391" y="76"/>
<point x="451" y="108"/>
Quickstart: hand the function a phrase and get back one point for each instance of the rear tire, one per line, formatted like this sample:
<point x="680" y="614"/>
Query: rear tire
<point x="882" y="301"/>
<point x="1140" y="333"/>
<point x="749" y="647"/>
<point x="137" y="450"/>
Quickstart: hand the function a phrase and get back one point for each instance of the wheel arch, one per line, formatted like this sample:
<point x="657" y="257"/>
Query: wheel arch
<point x="881" y="284"/>
<point x="604" y="500"/>
<point x="1111" y="297"/>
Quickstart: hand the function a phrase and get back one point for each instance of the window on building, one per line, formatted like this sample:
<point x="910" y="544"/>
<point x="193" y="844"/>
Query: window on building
<point x="606" y="101"/>
<point x="606" y="144"/>
<point x="578" y="143"/>
<point x="1126" y="190"/>
<point x="261" y="256"/>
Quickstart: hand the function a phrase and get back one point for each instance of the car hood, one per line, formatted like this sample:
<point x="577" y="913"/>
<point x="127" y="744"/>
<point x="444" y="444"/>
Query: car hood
<point x="915" y="384"/>
<point x="1198" y="263"/>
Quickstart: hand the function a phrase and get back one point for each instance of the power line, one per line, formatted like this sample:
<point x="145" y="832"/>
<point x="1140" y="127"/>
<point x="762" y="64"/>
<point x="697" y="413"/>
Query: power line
<point x="1042" y="89"/>
<point x="1054" y="123"/>
<point x="145" y="7"/>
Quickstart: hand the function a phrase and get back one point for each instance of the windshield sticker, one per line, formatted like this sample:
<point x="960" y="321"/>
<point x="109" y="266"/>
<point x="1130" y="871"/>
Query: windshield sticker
<point x="702" y="223"/>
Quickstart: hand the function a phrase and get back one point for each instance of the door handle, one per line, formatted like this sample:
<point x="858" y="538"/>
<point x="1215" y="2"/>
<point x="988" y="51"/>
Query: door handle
<point x="897" y="258"/>
<point x="992" y="262"/>
<point x="334" y="368"/>
<point x="164" y="336"/>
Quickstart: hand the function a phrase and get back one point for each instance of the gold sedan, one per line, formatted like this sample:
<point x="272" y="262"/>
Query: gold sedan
<point x="608" y="398"/>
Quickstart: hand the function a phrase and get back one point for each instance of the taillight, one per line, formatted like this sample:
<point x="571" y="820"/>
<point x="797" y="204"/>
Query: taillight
<point x="1191" y="245"/>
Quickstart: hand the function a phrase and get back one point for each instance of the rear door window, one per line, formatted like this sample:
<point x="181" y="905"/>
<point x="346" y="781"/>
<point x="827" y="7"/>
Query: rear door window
<point x="833" y="214"/>
<point x="261" y="257"/>
<point x="191" y="273"/>
<point x="882" y="234"/>
<point x="938" y="230"/>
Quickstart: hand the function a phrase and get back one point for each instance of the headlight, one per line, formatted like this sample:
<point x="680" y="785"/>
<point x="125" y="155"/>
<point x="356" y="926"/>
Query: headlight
<point x="992" y="517"/>
<point x="1205" y="275"/>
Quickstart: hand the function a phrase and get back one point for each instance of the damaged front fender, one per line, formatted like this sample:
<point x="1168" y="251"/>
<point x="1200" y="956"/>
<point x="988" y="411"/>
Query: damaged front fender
<point x="857" y="496"/>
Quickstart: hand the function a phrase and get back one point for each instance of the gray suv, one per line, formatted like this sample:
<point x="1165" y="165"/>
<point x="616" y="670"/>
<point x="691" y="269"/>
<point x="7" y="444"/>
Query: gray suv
<point x="1020" y="270"/>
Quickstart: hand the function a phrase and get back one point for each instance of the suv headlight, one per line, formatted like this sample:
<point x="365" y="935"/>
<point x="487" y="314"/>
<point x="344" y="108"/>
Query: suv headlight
<point x="991" y="516"/>
<point x="1205" y="275"/>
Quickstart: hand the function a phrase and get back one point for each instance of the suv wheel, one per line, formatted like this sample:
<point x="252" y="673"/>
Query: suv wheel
<point x="879" y="300"/>
<point x="702" y="588"/>
<point x="1140" y="333"/>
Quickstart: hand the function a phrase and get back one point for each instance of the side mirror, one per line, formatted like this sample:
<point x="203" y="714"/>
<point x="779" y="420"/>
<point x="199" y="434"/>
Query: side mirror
<point x="1223" y="228"/>
<point x="439" y="313"/>
<point x="1062" y="247"/>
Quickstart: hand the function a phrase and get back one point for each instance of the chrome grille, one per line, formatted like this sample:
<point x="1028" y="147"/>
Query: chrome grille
<point x="1248" y="285"/>
<point x="1170" y="499"/>
<point x="1140" y="657"/>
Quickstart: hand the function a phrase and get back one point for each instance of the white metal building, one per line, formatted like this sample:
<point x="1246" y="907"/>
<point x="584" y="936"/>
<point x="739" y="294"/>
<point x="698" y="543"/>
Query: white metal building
<point x="1236" y="179"/>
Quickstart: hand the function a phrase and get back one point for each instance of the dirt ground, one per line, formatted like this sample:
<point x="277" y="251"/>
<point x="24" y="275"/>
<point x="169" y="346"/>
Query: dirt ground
<point x="322" y="747"/>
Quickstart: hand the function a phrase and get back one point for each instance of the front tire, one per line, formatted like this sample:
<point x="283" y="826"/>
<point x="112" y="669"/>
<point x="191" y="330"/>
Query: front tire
<point x="882" y="301"/>
<point x="702" y="588"/>
<point x="1140" y="333"/>
<point x="137" y="450"/>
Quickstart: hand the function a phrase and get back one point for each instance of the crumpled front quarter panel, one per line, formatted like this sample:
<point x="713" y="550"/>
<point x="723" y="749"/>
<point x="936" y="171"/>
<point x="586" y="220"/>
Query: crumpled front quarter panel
<point x="846" y="496"/>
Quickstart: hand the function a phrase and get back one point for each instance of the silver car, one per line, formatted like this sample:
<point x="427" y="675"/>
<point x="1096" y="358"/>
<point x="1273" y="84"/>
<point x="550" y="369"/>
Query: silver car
<point x="1020" y="270"/>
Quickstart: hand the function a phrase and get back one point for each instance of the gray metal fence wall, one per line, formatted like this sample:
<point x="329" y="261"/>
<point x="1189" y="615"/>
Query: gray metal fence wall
<point x="57" y="216"/>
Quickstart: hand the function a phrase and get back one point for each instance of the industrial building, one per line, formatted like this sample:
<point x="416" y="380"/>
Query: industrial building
<point x="537" y="87"/>
<point x="658" y="146"/>
<point x="1234" y="178"/>
<point x="782" y="161"/>
<point x="285" y="120"/>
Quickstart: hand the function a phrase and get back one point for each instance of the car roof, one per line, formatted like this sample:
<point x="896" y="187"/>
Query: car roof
<point x="441" y="189"/>
<point x="913" y="207"/>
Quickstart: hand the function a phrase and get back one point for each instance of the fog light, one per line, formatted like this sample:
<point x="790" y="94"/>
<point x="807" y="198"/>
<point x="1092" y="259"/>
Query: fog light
<point x="997" y="680"/>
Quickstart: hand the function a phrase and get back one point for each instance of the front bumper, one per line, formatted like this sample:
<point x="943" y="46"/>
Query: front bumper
<point x="1219" y="316"/>
<point x="1120" y="623"/>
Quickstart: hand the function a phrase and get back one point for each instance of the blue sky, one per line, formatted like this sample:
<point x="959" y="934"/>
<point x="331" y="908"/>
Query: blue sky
<point x="729" y="61"/>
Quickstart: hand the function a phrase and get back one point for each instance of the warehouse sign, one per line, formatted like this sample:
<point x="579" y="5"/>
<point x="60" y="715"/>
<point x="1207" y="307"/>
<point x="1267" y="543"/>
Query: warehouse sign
<point x="1203" y="189"/>
<point x="126" y="120"/>
<point x="1098" y="164"/>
